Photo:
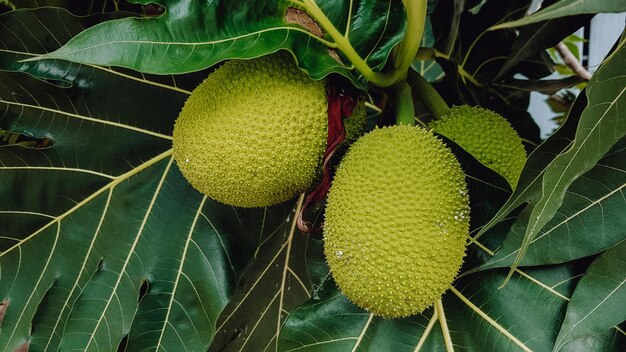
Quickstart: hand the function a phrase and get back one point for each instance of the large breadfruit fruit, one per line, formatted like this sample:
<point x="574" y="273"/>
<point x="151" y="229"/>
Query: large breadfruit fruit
<point x="396" y="221"/>
<point x="486" y="135"/>
<point x="253" y="133"/>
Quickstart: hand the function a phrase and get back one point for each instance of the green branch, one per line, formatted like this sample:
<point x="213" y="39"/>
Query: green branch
<point x="405" y="52"/>
<point x="380" y="79"/>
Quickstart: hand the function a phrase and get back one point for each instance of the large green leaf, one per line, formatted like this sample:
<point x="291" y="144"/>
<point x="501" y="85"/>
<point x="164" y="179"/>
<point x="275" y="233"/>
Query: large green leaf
<point x="105" y="244"/>
<point x="479" y="317"/>
<point x="564" y="8"/>
<point x="599" y="128"/>
<point x="103" y="241"/>
<point x="589" y="221"/>
<point x="597" y="304"/>
<point x="193" y="35"/>
<point x="274" y="284"/>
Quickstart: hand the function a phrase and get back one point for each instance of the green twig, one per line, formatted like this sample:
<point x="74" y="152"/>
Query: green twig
<point x="380" y="79"/>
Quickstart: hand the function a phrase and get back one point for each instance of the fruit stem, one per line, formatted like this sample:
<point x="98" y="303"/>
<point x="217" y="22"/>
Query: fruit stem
<point x="408" y="47"/>
<point x="444" y="326"/>
<point x="403" y="104"/>
<point x="426" y="93"/>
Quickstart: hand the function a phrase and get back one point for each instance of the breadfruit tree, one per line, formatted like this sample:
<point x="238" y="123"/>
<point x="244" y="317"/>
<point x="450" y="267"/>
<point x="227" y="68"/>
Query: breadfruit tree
<point x="309" y="175"/>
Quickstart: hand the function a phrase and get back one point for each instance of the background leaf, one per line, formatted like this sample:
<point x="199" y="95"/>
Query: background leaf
<point x="564" y="8"/>
<point x="194" y="35"/>
<point x="472" y="56"/>
<point x="597" y="303"/>
<point x="540" y="36"/>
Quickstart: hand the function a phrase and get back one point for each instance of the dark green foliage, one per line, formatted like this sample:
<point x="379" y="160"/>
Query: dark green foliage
<point x="103" y="242"/>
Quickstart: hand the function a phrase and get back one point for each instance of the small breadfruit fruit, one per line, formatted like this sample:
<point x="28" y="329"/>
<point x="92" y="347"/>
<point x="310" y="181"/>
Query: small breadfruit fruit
<point x="253" y="133"/>
<point x="356" y="123"/>
<point x="397" y="220"/>
<point x="486" y="135"/>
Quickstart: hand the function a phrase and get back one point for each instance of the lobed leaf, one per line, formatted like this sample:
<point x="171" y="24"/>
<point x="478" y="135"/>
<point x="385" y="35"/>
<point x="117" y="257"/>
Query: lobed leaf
<point x="588" y="222"/>
<point x="103" y="241"/>
<point x="597" y="303"/>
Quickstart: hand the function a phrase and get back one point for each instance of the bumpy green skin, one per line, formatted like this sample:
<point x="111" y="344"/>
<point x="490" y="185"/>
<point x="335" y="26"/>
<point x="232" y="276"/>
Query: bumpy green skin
<point x="487" y="136"/>
<point x="253" y="133"/>
<point x="356" y="123"/>
<point x="397" y="219"/>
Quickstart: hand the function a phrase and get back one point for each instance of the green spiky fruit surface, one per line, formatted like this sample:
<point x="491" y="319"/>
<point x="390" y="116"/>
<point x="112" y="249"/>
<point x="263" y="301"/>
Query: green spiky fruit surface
<point x="253" y="133"/>
<point x="397" y="219"/>
<point x="356" y="123"/>
<point x="486" y="135"/>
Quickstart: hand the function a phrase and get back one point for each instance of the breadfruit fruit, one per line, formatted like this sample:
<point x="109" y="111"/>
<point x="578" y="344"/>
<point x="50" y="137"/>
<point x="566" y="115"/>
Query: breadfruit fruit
<point x="253" y="133"/>
<point x="356" y="123"/>
<point x="397" y="220"/>
<point x="486" y="135"/>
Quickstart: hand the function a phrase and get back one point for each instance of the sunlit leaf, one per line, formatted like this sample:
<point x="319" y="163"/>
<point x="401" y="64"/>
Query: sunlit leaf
<point x="589" y="221"/>
<point x="606" y="99"/>
<point x="532" y="39"/>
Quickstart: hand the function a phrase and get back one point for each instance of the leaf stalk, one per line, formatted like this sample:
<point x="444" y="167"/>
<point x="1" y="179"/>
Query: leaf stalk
<point x="381" y="79"/>
<point x="409" y="46"/>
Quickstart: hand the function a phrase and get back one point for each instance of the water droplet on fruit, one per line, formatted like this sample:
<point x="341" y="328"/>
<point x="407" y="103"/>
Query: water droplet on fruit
<point x="186" y="160"/>
<point x="339" y="254"/>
